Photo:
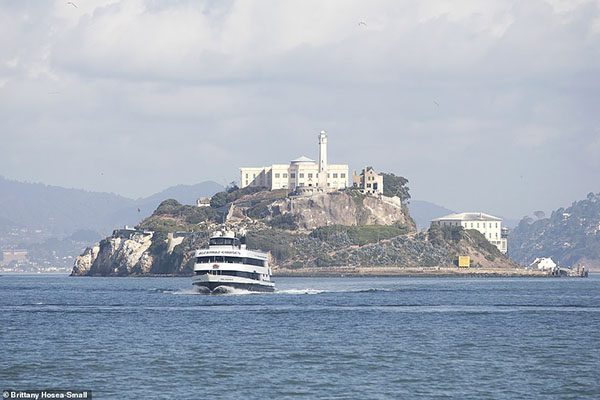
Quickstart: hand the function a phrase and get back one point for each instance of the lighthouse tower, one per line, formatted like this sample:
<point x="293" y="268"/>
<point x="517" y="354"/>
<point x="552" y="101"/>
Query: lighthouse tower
<point x="323" y="159"/>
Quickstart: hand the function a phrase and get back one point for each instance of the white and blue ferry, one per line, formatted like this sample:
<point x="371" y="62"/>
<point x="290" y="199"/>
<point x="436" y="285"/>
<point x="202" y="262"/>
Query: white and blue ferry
<point x="228" y="264"/>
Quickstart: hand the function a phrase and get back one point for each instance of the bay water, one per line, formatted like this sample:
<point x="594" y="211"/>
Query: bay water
<point x="335" y="338"/>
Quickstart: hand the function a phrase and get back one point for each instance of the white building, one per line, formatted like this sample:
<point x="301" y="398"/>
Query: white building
<point x="544" y="264"/>
<point x="301" y="172"/>
<point x="488" y="225"/>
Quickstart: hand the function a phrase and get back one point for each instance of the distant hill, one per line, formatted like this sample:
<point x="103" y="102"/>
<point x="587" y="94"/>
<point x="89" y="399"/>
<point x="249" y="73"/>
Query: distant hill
<point x="570" y="236"/>
<point x="61" y="211"/>
<point x="422" y="212"/>
<point x="185" y="194"/>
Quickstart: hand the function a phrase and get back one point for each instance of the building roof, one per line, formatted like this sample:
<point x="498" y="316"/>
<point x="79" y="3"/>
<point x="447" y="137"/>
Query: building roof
<point x="468" y="216"/>
<point x="303" y="160"/>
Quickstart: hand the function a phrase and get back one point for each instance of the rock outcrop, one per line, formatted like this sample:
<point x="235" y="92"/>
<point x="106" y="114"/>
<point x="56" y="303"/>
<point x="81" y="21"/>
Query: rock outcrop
<point x="118" y="255"/>
<point x="343" y="209"/>
<point x="83" y="263"/>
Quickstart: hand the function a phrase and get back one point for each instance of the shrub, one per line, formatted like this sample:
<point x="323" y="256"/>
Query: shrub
<point x="359" y="235"/>
<point x="276" y="241"/>
<point x="286" y="221"/>
<point x="169" y="206"/>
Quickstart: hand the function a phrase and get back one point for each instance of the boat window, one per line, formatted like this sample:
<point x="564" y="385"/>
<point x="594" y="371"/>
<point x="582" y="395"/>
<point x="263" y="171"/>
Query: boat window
<point x="222" y="242"/>
<point x="228" y="259"/>
<point x="241" y="274"/>
<point x="254" y="261"/>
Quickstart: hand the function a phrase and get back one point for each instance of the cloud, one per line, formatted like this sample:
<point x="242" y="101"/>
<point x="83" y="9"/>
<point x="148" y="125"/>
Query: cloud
<point x="158" y="93"/>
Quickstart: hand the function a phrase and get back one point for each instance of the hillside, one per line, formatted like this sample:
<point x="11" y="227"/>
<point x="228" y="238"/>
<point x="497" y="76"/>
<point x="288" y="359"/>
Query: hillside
<point x="47" y="221"/>
<point x="299" y="232"/>
<point x="570" y="235"/>
<point x="62" y="211"/>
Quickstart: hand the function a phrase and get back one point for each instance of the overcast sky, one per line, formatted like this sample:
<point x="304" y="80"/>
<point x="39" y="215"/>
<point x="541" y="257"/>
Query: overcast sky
<point x="482" y="105"/>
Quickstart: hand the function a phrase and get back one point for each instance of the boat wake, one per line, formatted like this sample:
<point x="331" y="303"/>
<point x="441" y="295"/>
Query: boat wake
<point x="229" y="291"/>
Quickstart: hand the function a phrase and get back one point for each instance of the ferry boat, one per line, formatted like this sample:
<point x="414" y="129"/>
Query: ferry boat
<point x="228" y="264"/>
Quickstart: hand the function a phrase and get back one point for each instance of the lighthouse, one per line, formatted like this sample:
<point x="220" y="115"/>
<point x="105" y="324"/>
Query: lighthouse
<point x="323" y="159"/>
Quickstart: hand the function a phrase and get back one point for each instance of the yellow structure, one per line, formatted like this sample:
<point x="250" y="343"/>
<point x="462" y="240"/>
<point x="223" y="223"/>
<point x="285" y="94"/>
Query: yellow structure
<point x="464" y="261"/>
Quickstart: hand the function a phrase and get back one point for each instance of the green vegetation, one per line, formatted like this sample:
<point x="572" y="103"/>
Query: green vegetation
<point x="277" y="241"/>
<point x="570" y="236"/>
<point x="395" y="186"/>
<point x="259" y="211"/>
<point x="159" y="243"/>
<point x="232" y="194"/>
<point x="479" y="241"/>
<point x="286" y="221"/>
<point x="360" y="235"/>
<point x="172" y="216"/>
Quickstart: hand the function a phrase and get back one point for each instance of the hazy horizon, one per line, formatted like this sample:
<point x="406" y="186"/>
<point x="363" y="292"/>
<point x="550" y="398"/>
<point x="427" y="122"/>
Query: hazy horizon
<point x="486" y="106"/>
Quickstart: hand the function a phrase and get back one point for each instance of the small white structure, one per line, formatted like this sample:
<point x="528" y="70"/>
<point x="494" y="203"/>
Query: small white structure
<point x="488" y="225"/>
<point x="543" y="263"/>
<point x="300" y="172"/>
<point x="203" y="202"/>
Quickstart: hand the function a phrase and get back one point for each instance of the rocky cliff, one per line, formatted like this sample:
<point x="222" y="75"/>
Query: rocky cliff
<point x="321" y="230"/>
<point x="342" y="208"/>
<point x="124" y="253"/>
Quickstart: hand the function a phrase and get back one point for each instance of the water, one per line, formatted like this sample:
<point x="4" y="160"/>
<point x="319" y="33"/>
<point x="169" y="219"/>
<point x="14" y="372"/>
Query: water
<point x="326" y="338"/>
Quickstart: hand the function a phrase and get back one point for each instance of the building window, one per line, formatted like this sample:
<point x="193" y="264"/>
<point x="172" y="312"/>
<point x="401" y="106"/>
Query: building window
<point x="335" y="176"/>
<point x="342" y="175"/>
<point x="285" y="175"/>
<point x="478" y="225"/>
<point x="471" y="225"/>
<point x="246" y="181"/>
<point x="301" y="175"/>
<point x="328" y="175"/>
<point x="301" y="184"/>
<point x="310" y="175"/>
<point x="276" y="175"/>
<point x="246" y="176"/>
<point x="368" y="185"/>
<point x="293" y="175"/>
<point x="254" y="175"/>
<point x="328" y="184"/>
<point x="496" y="224"/>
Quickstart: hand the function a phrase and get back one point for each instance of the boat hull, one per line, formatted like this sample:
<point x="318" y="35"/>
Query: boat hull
<point x="225" y="287"/>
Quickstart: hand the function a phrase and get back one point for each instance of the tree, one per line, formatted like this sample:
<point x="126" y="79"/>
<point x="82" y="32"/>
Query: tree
<point x="218" y="200"/>
<point x="526" y="220"/>
<point x="232" y="187"/>
<point x="539" y="214"/>
<point x="395" y="186"/>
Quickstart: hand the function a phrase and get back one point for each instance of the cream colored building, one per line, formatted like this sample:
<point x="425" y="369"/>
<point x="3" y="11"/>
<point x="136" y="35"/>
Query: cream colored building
<point x="488" y="225"/>
<point x="301" y="172"/>
<point x="368" y="181"/>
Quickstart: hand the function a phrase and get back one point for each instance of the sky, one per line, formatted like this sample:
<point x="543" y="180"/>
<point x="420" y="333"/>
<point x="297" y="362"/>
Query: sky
<point x="487" y="106"/>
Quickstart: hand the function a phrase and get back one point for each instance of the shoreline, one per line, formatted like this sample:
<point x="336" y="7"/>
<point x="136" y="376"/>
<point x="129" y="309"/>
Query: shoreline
<point x="413" y="272"/>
